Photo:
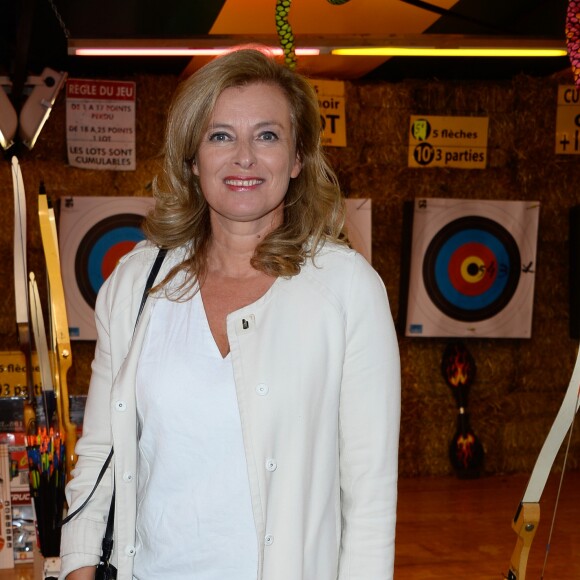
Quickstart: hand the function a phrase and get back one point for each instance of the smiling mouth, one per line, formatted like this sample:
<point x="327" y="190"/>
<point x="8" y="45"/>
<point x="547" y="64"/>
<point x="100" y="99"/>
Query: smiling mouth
<point x="243" y="182"/>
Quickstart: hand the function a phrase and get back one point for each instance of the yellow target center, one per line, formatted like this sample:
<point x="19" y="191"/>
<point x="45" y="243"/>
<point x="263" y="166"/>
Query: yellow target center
<point x="472" y="269"/>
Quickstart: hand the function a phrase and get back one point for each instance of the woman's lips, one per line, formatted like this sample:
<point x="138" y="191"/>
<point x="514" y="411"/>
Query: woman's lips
<point x="243" y="182"/>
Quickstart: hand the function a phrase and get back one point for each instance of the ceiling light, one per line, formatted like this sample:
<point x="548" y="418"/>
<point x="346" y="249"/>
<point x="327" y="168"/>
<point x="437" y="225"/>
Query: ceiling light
<point x="175" y="51"/>
<point x="419" y="45"/>
<point x="453" y="52"/>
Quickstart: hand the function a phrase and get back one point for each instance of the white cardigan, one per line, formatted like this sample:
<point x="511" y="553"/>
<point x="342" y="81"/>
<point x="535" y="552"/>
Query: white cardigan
<point x="317" y="377"/>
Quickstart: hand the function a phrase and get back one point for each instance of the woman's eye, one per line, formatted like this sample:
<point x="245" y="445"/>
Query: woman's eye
<point x="218" y="137"/>
<point x="268" y="136"/>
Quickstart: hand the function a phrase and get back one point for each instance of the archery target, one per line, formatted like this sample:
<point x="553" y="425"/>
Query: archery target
<point x="95" y="232"/>
<point x="472" y="268"/>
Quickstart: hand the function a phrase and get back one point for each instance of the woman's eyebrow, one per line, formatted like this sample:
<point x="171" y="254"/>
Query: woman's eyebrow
<point x="260" y="124"/>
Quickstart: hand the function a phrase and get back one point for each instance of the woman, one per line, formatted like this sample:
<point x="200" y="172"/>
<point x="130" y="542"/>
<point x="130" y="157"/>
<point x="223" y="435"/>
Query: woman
<point x="254" y="409"/>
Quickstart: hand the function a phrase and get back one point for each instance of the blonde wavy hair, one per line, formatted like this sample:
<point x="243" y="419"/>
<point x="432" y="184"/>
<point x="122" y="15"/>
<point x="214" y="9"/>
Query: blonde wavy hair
<point x="314" y="206"/>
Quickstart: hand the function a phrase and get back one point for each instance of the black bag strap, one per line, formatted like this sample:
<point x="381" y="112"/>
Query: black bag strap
<point x="107" y="543"/>
<point x="111" y="518"/>
<point x="151" y="279"/>
<point x="99" y="477"/>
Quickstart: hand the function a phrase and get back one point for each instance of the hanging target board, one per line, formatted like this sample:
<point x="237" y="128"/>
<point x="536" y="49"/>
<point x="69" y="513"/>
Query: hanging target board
<point x="472" y="268"/>
<point x="95" y="233"/>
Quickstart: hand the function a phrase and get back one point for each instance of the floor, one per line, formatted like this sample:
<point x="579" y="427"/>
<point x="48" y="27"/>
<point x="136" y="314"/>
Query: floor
<point x="461" y="529"/>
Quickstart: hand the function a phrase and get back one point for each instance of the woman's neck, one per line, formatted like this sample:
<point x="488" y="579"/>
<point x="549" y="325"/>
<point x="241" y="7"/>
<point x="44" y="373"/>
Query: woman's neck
<point x="232" y="248"/>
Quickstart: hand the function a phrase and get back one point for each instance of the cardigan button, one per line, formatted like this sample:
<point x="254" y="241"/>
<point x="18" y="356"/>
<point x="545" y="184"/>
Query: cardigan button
<point x="120" y="406"/>
<point x="269" y="539"/>
<point x="271" y="465"/>
<point x="262" y="389"/>
<point x="130" y="551"/>
<point x="127" y="477"/>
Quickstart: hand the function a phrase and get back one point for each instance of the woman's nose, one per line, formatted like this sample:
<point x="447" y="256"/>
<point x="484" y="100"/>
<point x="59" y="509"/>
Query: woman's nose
<point x="245" y="155"/>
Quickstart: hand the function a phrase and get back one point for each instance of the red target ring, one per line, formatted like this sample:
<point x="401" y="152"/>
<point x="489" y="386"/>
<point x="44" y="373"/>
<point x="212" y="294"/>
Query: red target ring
<point x="467" y="269"/>
<point x="113" y="255"/>
<point x="100" y="250"/>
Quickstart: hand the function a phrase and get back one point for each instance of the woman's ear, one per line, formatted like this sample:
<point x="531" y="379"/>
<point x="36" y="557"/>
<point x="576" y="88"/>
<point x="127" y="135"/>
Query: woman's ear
<point x="194" y="167"/>
<point x="297" y="167"/>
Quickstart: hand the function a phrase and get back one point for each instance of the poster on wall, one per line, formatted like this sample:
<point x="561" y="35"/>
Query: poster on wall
<point x="452" y="142"/>
<point x="568" y="121"/>
<point x="472" y="268"/>
<point x="95" y="232"/>
<point x="332" y="105"/>
<point x="100" y="124"/>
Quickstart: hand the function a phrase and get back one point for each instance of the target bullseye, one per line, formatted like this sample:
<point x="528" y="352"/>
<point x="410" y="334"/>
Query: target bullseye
<point x="471" y="268"/>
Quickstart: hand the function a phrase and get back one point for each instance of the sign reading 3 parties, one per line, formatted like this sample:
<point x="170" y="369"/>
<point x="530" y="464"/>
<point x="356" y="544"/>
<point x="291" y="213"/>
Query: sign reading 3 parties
<point x="436" y="141"/>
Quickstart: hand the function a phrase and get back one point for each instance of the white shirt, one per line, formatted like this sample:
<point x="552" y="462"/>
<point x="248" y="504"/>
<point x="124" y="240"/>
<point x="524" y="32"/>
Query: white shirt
<point x="194" y="515"/>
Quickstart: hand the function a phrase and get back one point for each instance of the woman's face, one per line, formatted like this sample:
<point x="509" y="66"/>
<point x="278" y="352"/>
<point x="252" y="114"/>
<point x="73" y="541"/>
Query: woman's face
<point x="247" y="157"/>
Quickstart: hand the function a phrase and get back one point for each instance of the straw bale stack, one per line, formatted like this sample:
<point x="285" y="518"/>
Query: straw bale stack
<point x="519" y="383"/>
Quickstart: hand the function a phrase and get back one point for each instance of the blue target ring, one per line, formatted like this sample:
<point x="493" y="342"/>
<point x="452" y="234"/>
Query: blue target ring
<point x="463" y="283"/>
<point x="101" y="247"/>
<point x="502" y="264"/>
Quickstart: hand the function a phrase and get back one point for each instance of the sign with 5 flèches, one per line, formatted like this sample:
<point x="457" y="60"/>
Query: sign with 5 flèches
<point x="438" y="141"/>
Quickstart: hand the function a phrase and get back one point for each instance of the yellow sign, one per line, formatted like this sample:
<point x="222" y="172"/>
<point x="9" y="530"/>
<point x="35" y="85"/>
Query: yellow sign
<point x="568" y="120"/>
<point x="459" y="142"/>
<point x="332" y="106"/>
<point x="13" y="374"/>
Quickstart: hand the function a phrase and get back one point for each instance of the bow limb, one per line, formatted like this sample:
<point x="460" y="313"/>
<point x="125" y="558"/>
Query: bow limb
<point x="21" y="293"/>
<point x="39" y="332"/>
<point x="527" y="516"/>
<point x="59" y="326"/>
